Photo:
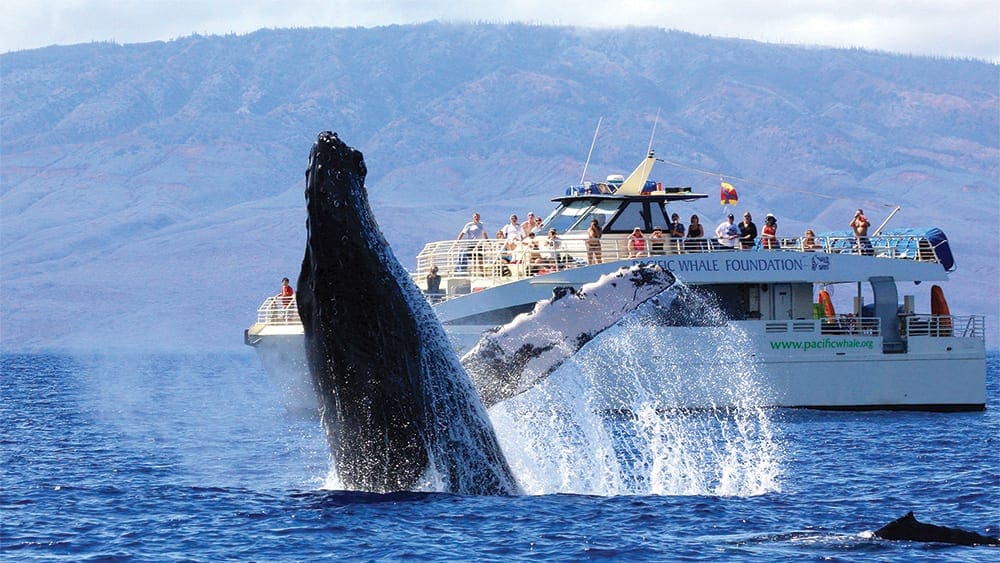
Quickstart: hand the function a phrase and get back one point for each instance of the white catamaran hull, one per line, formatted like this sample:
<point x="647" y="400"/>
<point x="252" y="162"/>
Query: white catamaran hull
<point x="676" y="367"/>
<point x="850" y="373"/>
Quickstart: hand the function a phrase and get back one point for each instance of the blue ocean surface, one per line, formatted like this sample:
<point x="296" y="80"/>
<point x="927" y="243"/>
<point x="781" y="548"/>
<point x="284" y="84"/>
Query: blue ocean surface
<point x="193" y="457"/>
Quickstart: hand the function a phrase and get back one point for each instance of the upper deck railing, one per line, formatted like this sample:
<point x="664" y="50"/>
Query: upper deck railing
<point x="279" y="310"/>
<point x="492" y="263"/>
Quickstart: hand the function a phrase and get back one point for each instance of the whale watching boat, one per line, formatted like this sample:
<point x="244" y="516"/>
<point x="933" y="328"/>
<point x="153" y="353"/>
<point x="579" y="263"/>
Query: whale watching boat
<point x="879" y="355"/>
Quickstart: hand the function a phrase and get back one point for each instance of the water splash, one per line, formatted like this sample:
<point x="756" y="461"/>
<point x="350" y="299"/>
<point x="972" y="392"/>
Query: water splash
<point x="642" y="410"/>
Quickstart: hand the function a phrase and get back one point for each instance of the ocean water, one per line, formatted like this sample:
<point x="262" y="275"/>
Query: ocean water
<point x="192" y="457"/>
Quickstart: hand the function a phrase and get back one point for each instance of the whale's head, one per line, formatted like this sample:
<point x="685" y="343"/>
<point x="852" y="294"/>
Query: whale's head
<point x="393" y="395"/>
<point x="336" y="198"/>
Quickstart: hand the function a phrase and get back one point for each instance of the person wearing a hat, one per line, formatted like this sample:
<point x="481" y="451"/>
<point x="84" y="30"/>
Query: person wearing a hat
<point x="748" y="232"/>
<point x="769" y="234"/>
<point x="727" y="233"/>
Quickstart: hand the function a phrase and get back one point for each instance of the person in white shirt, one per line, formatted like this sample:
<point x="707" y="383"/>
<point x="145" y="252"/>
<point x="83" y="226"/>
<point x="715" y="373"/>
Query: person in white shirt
<point x="552" y="245"/>
<point x="512" y="230"/>
<point x="474" y="229"/>
<point x="727" y="233"/>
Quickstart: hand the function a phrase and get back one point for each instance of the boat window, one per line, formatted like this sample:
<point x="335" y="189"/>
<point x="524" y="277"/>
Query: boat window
<point x="566" y="216"/>
<point x="603" y="211"/>
<point x="631" y="217"/>
<point x="661" y="217"/>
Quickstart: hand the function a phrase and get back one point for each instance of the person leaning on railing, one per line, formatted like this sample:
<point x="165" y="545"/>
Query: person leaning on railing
<point x="809" y="243"/>
<point x="636" y="244"/>
<point x="285" y="295"/>
<point x="695" y="236"/>
<point x="656" y="241"/>
<point x="283" y="300"/>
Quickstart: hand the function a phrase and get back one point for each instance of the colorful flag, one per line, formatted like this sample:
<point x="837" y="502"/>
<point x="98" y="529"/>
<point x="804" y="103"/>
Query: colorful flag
<point x="728" y="194"/>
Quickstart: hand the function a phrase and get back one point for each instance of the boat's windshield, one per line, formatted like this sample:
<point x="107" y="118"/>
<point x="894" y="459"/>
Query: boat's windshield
<point x="613" y="215"/>
<point x="602" y="211"/>
<point x="576" y="215"/>
<point x="565" y="217"/>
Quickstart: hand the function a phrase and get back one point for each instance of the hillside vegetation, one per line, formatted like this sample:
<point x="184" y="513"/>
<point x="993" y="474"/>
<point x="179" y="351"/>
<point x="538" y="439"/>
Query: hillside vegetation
<point x="151" y="194"/>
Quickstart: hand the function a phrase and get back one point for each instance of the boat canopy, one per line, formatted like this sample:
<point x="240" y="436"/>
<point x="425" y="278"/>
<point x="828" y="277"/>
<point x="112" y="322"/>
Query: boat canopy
<point x="921" y="243"/>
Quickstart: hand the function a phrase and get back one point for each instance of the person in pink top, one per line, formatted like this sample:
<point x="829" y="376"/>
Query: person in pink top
<point x="636" y="244"/>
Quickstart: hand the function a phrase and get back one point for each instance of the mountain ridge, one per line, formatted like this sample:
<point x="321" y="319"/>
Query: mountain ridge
<point x="170" y="170"/>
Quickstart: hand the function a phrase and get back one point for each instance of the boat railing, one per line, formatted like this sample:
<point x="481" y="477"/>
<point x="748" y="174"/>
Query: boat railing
<point x="843" y="325"/>
<point x="850" y="325"/>
<point x="469" y="265"/>
<point x="899" y="247"/>
<point x="961" y="326"/>
<point x="279" y="310"/>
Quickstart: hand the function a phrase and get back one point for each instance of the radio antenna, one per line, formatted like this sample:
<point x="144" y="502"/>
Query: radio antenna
<point x="592" y="143"/>
<point x="649" y="149"/>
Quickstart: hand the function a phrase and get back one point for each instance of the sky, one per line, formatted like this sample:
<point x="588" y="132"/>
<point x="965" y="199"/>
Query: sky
<point x="943" y="28"/>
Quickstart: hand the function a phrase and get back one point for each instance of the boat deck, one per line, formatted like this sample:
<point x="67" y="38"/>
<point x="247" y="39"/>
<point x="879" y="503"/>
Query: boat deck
<point x="473" y="265"/>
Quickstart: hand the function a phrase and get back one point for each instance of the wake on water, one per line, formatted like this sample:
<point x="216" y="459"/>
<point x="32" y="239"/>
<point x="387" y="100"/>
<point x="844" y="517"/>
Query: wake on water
<point x="559" y="438"/>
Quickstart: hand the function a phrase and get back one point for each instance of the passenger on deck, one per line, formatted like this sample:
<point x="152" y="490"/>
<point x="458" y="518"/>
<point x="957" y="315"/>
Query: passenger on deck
<point x="528" y="226"/>
<point x="748" y="232"/>
<point x="552" y="244"/>
<point x="656" y="241"/>
<point x="594" y="243"/>
<point x="282" y="303"/>
<point x="433" y="282"/>
<point x="530" y="249"/>
<point x="509" y="248"/>
<point x="504" y="249"/>
<point x="512" y="230"/>
<point x="809" y="243"/>
<point x="474" y="229"/>
<point x="696" y="234"/>
<point x="769" y="234"/>
<point x="676" y="227"/>
<point x="284" y="296"/>
<point x="860" y="226"/>
<point x="727" y="233"/>
<point x="636" y="244"/>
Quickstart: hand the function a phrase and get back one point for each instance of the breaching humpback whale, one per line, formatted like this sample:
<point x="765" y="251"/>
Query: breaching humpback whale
<point x="908" y="528"/>
<point x="512" y="359"/>
<point x="398" y="408"/>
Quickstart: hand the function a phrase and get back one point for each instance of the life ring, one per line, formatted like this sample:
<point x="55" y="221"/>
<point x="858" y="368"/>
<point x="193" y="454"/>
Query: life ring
<point x="940" y="312"/>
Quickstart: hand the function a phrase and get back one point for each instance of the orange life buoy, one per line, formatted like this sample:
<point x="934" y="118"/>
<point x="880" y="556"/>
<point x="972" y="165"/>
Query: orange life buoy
<point x="940" y="311"/>
<point x="824" y="300"/>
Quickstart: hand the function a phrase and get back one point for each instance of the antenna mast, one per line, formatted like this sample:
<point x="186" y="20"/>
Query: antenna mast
<point x="592" y="143"/>
<point x="882" y="226"/>
<point x="649" y="149"/>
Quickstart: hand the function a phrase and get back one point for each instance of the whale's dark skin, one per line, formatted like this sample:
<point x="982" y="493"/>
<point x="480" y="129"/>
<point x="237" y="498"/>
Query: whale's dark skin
<point x="908" y="528"/>
<point x="394" y="399"/>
